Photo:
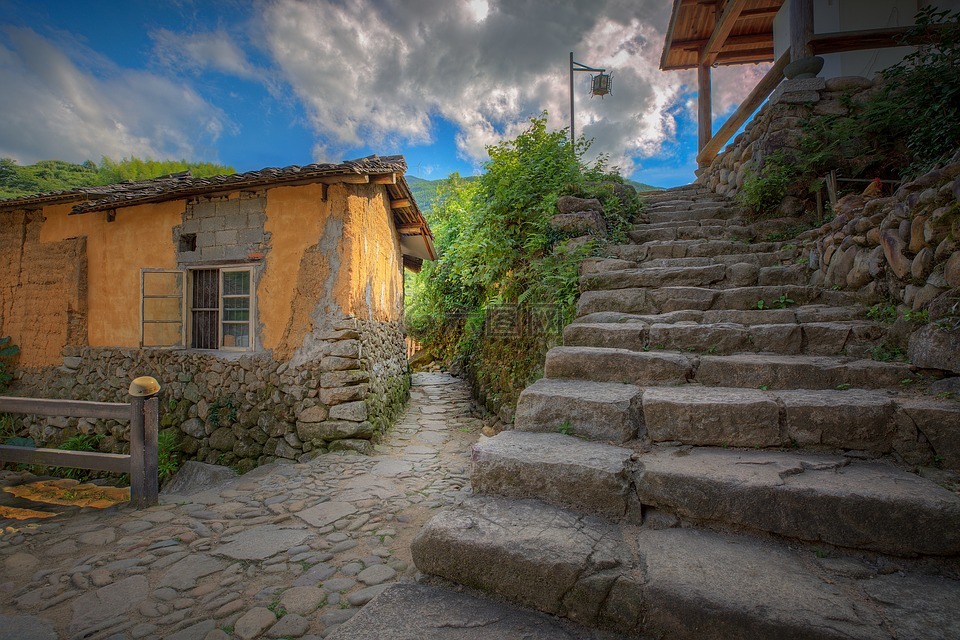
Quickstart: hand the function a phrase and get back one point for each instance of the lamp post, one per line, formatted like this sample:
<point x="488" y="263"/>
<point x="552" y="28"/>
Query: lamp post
<point x="601" y="84"/>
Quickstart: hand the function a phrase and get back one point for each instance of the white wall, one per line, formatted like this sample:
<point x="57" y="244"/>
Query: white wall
<point x="830" y="16"/>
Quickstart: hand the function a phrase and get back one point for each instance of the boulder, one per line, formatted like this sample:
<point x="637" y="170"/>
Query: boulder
<point x="893" y="251"/>
<point x="572" y="204"/>
<point x="193" y="477"/>
<point x="934" y="347"/>
<point x="579" y="223"/>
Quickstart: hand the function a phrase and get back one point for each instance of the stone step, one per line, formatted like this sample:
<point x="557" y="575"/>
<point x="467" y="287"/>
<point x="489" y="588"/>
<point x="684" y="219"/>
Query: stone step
<point x="431" y="612"/>
<point x="594" y="410"/>
<point x="745" y="370"/>
<point x="803" y="313"/>
<point x="814" y="338"/>
<point x="816" y="498"/>
<point x="666" y="299"/>
<point x="769" y="259"/>
<point x="709" y="210"/>
<point x="675" y="583"/>
<point x="699" y="232"/>
<point x="718" y="275"/>
<point x="690" y="204"/>
<point x="674" y="224"/>
<point x="859" y="420"/>
<point x="691" y="249"/>
<point x="598" y="364"/>
<point x="590" y="477"/>
<point x="754" y="370"/>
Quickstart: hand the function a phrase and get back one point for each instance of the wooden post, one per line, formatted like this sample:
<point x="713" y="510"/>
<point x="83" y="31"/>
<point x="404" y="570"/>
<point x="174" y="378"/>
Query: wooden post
<point x="801" y="28"/>
<point x="704" y="107"/>
<point x="138" y="496"/>
<point x="151" y="480"/>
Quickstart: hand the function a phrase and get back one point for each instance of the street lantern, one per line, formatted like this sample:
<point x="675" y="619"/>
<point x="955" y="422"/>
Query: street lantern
<point x="600" y="85"/>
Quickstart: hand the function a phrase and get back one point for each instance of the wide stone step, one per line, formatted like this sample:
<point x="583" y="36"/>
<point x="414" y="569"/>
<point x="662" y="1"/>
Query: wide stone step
<point x="617" y="365"/>
<point x="691" y="249"/>
<point x="675" y="583"/>
<point x="680" y="231"/>
<point x="854" y="419"/>
<point x="717" y="275"/>
<point x="590" y="477"/>
<point x="430" y="612"/>
<point x="704" y="212"/>
<point x="815" y="498"/>
<point x="804" y="313"/>
<point x="754" y="370"/>
<point x="769" y="259"/>
<point x="674" y="224"/>
<point x="594" y="410"/>
<point x="642" y="300"/>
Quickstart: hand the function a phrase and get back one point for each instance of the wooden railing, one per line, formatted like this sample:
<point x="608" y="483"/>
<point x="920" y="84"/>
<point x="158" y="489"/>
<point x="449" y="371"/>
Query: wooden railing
<point x="413" y="347"/>
<point x="141" y="463"/>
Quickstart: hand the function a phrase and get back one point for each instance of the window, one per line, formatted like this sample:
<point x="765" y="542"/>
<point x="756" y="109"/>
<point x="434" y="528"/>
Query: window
<point x="220" y="308"/>
<point x="161" y="309"/>
<point x="221" y="305"/>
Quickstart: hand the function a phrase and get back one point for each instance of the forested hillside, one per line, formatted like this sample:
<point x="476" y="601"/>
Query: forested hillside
<point x="58" y="175"/>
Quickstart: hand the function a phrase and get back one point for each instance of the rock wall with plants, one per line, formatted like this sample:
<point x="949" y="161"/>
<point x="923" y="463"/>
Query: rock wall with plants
<point x="241" y="412"/>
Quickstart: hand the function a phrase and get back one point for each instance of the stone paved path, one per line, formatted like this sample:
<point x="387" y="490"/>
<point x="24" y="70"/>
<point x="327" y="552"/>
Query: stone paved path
<point x="285" y="551"/>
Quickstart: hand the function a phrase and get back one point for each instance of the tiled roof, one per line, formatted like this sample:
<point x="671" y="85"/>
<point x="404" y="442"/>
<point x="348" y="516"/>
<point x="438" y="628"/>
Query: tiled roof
<point x="98" y="198"/>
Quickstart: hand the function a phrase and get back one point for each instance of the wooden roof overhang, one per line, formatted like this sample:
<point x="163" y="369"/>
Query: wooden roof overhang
<point x="719" y="32"/>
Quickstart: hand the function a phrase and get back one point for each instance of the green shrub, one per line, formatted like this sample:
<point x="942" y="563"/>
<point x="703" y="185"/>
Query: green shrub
<point x="7" y="351"/>
<point x="763" y="190"/>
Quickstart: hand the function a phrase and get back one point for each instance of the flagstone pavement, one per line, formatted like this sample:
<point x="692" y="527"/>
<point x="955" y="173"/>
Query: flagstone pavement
<point x="285" y="551"/>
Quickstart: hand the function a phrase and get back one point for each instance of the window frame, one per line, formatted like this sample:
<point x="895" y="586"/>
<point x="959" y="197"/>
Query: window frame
<point x="250" y="309"/>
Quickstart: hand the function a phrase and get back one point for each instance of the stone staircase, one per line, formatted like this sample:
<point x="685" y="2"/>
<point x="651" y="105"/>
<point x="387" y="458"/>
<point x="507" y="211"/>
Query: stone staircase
<point x="713" y="454"/>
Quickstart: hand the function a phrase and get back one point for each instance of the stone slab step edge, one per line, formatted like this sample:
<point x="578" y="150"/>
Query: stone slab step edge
<point x="676" y="583"/>
<point x="814" y="498"/>
<point x="594" y="410"/>
<point x="798" y="314"/>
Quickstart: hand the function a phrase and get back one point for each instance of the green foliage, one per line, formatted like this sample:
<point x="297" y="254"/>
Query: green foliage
<point x="886" y="313"/>
<point x="501" y="268"/>
<point x="763" y="190"/>
<point x="222" y="407"/>
<point x="783" y="301"/>
<point x="168" y="459"/>
<point x="565" y="428"/>
<point x="58" y="175"/>
<point x="79" y="442"/>
<point x="7" y="351"/>
<point x="887" y="353"/>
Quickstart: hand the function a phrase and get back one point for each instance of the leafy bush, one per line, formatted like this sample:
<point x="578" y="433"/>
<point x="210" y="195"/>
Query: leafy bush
<point x="7" y="351"/>
<point x="505" y="282"/>
<point x="764" y="190"/>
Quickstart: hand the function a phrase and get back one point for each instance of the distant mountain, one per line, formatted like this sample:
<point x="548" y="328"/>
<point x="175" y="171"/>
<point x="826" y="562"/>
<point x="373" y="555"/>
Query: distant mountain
<point x="424" y="191"/>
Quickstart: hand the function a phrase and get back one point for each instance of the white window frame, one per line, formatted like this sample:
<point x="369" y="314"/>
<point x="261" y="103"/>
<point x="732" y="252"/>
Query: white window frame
<point x="189" y="309"/>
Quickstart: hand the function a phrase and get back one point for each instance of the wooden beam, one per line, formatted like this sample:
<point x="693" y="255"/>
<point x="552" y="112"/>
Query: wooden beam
<point x="416" y="229"/>
<point x="746" y="57"/>
<point x="384" y="178"/>
<point x="801" y="28"/>
<point x="66" y="408"/>
<point x="766" y="12"/>
<point x="704" y="107"/>
<point x="668" y="39"/>
<point x="402" y="203"/>
<point x="114" y="462"/>
<point x="732" y="41"/>
<point x="721" y="31"/>
<point x="823" y="43"/>
<point x="760" y="93"/>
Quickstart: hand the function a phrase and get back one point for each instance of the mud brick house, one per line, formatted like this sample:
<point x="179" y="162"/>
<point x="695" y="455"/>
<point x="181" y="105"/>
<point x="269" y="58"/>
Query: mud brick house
<point x="269" y="304"/>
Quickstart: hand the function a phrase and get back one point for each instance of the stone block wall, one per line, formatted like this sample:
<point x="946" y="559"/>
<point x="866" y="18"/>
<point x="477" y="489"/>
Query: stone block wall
<point x="217" y="228"/>
<point x="777" y="127"/>
<point x="243" y="411"/>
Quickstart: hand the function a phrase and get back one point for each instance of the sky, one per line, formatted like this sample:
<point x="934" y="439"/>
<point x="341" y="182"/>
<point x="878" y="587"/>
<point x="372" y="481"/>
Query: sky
<point x="265" y="83"/>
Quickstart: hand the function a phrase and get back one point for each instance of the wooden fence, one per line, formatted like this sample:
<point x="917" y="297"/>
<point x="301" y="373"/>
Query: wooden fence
<point x="141" y="463"/>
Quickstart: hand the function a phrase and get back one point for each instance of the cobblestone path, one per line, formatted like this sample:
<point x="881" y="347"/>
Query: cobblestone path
<point x="285" y="551"/>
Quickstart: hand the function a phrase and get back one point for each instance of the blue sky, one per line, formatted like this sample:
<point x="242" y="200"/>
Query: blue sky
<point x="280" y="82"/>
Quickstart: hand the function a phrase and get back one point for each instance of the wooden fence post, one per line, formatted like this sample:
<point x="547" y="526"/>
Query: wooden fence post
<point x="144" y="410"/>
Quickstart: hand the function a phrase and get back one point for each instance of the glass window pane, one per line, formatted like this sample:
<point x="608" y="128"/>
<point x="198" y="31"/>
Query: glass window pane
<point x="236" y="335"/>
<point x="236" y="283"/>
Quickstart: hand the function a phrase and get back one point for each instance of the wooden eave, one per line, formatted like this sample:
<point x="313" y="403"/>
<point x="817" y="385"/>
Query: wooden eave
<point x="747" y="37"/>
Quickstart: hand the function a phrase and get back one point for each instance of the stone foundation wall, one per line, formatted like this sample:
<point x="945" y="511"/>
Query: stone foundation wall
<point x="243" y="411"/>
<point x="777" y="127"/>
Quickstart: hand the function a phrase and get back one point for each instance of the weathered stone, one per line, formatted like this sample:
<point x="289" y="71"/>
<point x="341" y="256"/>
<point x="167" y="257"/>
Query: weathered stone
<point x="261" y="542"/>
<point x="343" y="394"/>
<point x="107" y="602"/>
<point x="333" y="430"/>
<point x="597" y="410"/>
<point x="356" y="445"/>
<point x="184" y="574"/>
<point x="893" y="251"/>
<point x="711" y="416"/>
<point x="615" y="365"/>
<point x="336" y="363"/>
<point x="951" y="270"/>
<point x="580" y="223"/>
<point x="851" y="419"/>
<point x="922" y="264"/>
<point x="355" y="411"/>
<point x="376" y="574"/>
<point x="223" y="439"/>
<point x="316" y="413"/>
<point x="194" y="427"/>
<point x="289" y="626"/>
<point x="253" y="623"/>
<point x="819" y="498"/>
<point x="302" y="600"/>
<point x="26" y="628"/>
<point x="572" y="204"/>
<point x="326" y="513"/>
<point x="433" y="613"/>
<point x="343" y="378"/>
<point x="936" y="348"/>
<point x="917" y="241"/>
<point x="559" y="469"/>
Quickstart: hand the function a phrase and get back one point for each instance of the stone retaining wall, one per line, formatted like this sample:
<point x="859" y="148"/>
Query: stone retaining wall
<point x="243" y="411"/>
<point x="777" y="127"/>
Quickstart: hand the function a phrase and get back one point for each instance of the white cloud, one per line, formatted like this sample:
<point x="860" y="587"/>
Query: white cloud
<point x="215" y="49"/>
<point x="54" y="109"/>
